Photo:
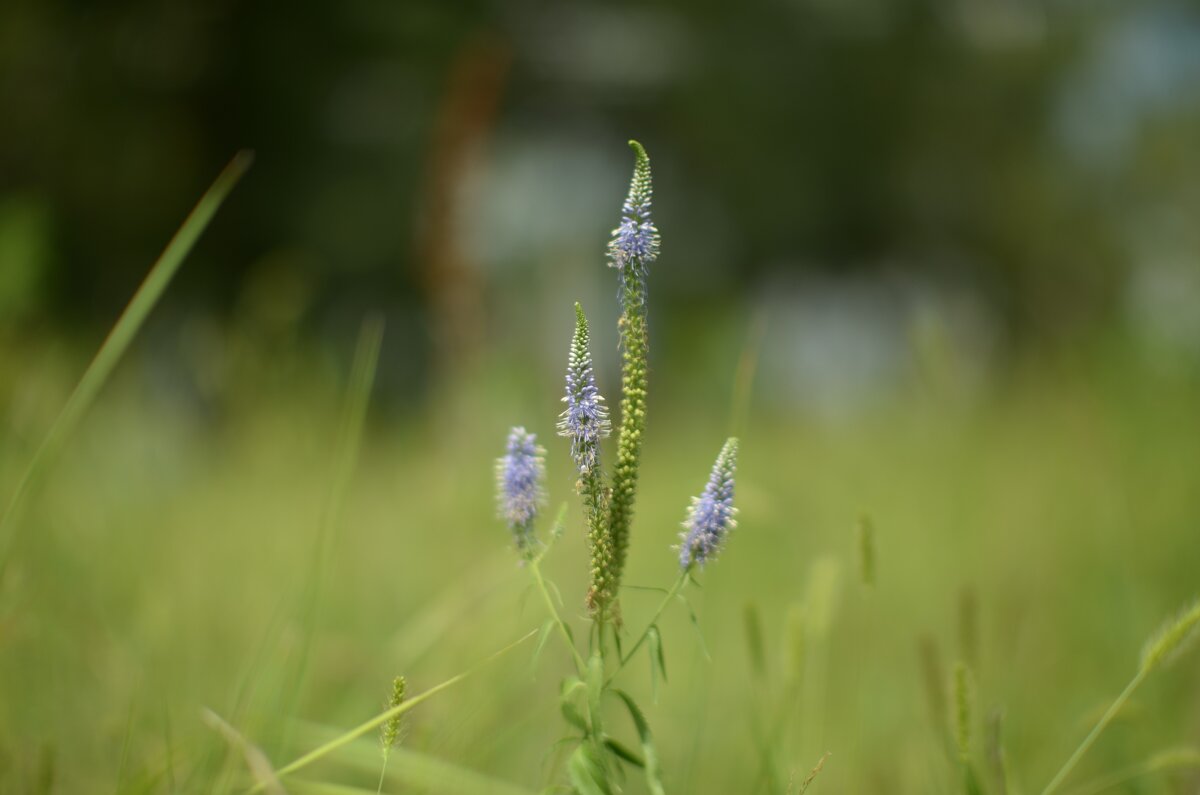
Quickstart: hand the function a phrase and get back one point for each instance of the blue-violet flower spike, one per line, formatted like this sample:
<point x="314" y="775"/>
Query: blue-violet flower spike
<point x="711" y="515"/>
<point x="519" y="477"/>
<point x="636" y="240"/>
<point x="585" y="420"/>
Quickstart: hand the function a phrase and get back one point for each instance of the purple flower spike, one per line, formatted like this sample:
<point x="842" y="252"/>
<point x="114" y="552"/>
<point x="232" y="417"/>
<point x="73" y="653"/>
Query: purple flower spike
<point x="711" y="515"/>
<point x="585" y="420"/>
<point x="519" y="476"/>
<point x="635" y="241"/>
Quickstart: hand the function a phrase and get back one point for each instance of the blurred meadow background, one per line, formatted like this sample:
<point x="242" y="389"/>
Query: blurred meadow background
<point x="935" y="261"/>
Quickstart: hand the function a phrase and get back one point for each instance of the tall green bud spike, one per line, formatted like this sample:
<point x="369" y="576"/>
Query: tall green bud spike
<point x="633" y="247"/>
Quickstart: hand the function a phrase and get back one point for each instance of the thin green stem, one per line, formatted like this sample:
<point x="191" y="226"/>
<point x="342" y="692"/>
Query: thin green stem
<point x="382" y="773"/>
<point x="1100" y="726"/>
<point x="536" y="569"/>
<point x="676" y="589"/>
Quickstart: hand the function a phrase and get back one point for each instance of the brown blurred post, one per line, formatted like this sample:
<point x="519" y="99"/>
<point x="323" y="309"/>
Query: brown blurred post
<point x="452" y="284"/>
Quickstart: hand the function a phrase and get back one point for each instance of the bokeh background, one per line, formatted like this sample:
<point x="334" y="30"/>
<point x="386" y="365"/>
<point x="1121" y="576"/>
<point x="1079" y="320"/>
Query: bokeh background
<point x="936" y="260"/>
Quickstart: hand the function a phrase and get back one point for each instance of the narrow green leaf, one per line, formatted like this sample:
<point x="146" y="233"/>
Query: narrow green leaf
<point x="557" y="595"/>
<point x="696" y="625"/>
<point x="658" y="662"/>
<point x="572" y="716"/>
<point x="624" y="753"/>
<point x="346" y="453"/>
<point x="410" y="771"/>
<point x="543" y="636"/>
<point x="566" y="706"/>
<point x="586" y="773"/>
<point x="256" y="760"/>
<point x="755" y="646"/>
<point x="347" y="737"/>
<point x="652" y="769"/>
<point x="114" y="347"/>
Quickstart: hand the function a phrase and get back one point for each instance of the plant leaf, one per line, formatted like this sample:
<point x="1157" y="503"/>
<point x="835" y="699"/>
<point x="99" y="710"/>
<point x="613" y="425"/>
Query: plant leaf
<point x="624" y="753"/>
<point x="569" y="711"/>
<point x="586" y="772"/>
<point x="696" y="625"/>
<point x="558" y="596"/>
<point x="572" y="715"/>
<point x="543" y="636"/>
<point x="652" y="769"/>
<point x="658" y="663"/>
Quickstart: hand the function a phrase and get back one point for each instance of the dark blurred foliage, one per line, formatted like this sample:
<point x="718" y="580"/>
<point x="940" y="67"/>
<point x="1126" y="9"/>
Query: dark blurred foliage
<point x="1025" y="149"/>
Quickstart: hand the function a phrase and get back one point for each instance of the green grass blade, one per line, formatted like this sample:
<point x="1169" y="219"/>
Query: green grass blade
<point x="1164" y="761"/>
<point x="743" y="380"/>
<point x="383" y="717"/>
<point x="417" y="771"/>
<point x="115" y="345"/>
<point x="354" y="414"/>
<point x="409" y="770"/>
<point x="424" y="773"/>
<point x="1100" y="726"/>
<point x="256" y="760"/>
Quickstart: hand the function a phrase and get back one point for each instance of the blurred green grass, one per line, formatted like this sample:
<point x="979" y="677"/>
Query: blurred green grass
<point x="163" y="568"/>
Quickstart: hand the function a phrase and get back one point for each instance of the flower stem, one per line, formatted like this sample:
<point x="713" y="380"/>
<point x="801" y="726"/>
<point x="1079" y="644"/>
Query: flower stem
<point x="676" y="589"/>
<point x="1088" y="741"/>
<point x="536" y="568"/>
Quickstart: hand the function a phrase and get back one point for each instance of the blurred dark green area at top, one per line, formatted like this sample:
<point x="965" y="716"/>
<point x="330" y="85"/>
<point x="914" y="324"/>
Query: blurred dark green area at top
<point x="1025" y="170"/>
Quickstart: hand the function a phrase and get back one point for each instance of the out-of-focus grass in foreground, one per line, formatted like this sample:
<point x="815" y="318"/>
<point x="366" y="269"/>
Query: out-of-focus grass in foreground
<point x="1039" y="534"/>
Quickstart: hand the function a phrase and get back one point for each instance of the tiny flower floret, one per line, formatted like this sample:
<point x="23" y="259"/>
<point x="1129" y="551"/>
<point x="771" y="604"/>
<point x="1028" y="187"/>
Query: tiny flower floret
<point x="711" y="515"/>
<point x="636" y="239"/>
<point x="519" y="476"/>
<point x="585" y="420"/>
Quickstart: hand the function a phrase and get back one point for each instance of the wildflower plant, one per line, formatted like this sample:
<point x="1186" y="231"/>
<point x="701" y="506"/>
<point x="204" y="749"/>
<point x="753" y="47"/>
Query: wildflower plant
<point x="608" y="499"/>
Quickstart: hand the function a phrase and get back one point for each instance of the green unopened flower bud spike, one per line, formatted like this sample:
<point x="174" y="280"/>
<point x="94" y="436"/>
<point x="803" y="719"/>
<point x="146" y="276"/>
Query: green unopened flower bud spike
<point x="634" y="246"/>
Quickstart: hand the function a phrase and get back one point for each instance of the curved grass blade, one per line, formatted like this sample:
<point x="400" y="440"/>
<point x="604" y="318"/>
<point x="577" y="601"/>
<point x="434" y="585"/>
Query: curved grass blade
<point x="424" y="773"/>
<point x="115" y="345"/>
<point x="386" y="715"/>
<point x="1162" y="762"/>
<point x="410" y="770"/>
<point x="256" y="760"/>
